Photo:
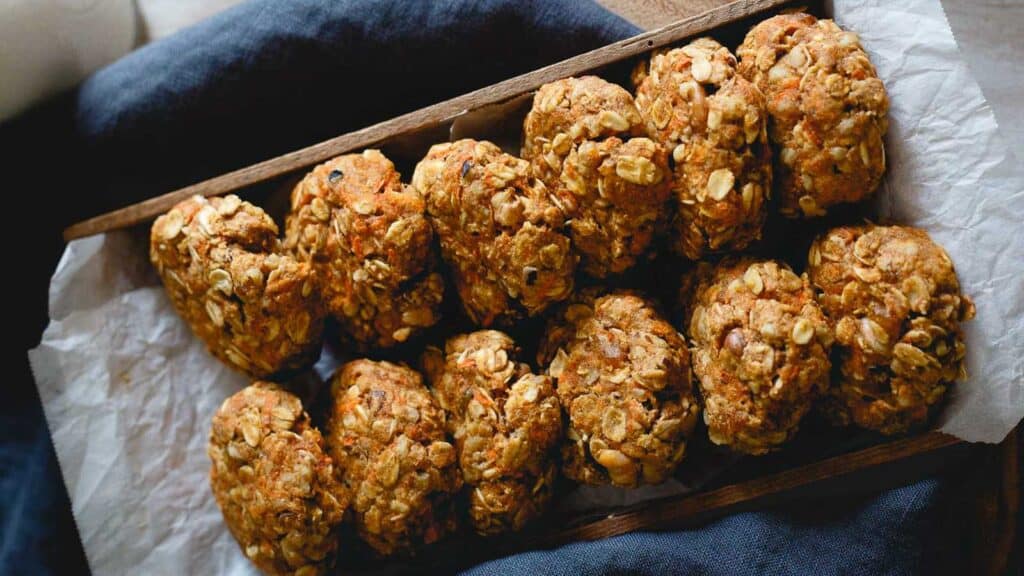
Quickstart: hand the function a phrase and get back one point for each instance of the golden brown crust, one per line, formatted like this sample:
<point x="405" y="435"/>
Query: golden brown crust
<point x="578" y="137"/>
<point x="509" y="503"/>
<point x="760" y="350"/>
<point x="585" y="108"/>
<point x="506" y="423"/>
<point x="895" y="301"/>
<point x="368" y="241"/>
<point x="499" y="230"/>
<point x="828" y="111"/>
<point x="256" y="310"/>
<point x="273" y="482"/>
<point x="615" y="192"/>
<point x="623" y="376"/>
<point x="387" y="437"/>
<point x="714" y="123"/>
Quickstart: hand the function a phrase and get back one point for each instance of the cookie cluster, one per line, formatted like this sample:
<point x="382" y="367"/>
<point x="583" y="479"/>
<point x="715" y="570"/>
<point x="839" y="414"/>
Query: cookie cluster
<point x="461" y="425"/>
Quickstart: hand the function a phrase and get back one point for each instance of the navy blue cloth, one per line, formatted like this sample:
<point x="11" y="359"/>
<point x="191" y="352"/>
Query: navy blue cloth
<point x="267" y="77"/>
<point x="876" y="535"/>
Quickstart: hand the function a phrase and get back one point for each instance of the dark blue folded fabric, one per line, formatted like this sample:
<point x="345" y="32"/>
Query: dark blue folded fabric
<point x="267" y="77"/>
<point x="37" y="534"/>
<point x="875" y="535"/>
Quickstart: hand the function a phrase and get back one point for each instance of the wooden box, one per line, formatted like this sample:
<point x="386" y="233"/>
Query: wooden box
<point x="818" y="460"/>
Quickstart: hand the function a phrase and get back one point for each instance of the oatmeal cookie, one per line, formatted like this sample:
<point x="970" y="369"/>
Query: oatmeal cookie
<point x="274" y="483"/>
<point x="827" y="108"/>
<point x="500" y="232"/>
<point x="574" y="110"/>
<point x="760" y="350"/>
<point x="506" y="423"/>
<point x="387" y="437"/>
<point x="366" y="237"/>
<point x="715" y="124"/>
<point x="894" y="298"/>
<point x="257" y="310"/>
<point x="585" y="140"/>
<point x="622" y="373"/>
<point x="615" y="192"/>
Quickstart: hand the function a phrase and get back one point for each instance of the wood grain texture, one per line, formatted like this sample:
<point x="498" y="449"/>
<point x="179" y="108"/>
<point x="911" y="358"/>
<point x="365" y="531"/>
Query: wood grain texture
<point x="651" y="14"/>
<point x="991" y="494"/>
<point x="423" y="118"/>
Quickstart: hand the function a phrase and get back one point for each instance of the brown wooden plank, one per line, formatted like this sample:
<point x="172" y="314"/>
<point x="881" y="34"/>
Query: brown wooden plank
<point x="676" y="511"/>
<point x="990" y="508"/>
<point x="372" y="135"/>
<point x="652" y="14"/>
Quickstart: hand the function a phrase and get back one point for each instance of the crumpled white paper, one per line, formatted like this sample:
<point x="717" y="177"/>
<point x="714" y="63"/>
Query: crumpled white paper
<point x="129" y="392"/>
<point x="951" y="173"/>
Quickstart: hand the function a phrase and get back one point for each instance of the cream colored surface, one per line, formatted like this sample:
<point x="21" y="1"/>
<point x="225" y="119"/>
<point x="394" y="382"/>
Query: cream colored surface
<point x="49" y="45"/>
<point x="989" y="34"/>
<point x="161" y="18"/>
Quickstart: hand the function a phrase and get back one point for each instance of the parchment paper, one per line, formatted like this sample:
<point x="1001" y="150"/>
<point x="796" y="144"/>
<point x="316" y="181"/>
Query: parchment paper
<point x="128" y="391"/>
